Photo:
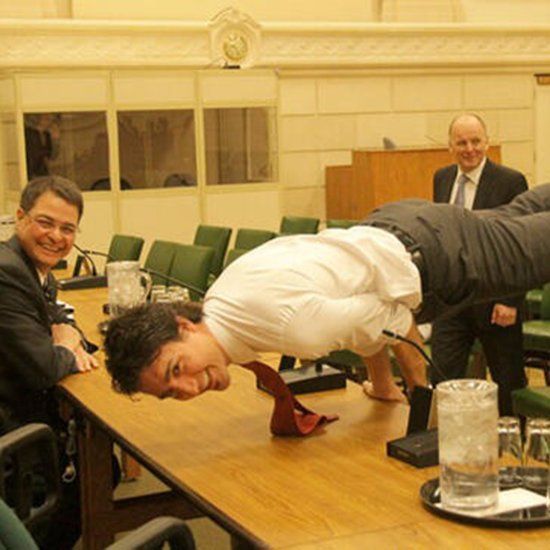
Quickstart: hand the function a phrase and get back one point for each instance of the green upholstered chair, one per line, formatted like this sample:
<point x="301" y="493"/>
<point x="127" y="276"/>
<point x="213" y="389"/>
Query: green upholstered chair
<point x="536" y="337"/>
<point x="155" y="533"/>
<point x="159" y="259"/>
<point x="192" y="265"/>
<point x="533" y="300"/>
<point x="34" y="446"/>
<point x="125" y="248"/>
<point x="294" y="225"/>
<point x="28" y="463"/>
<point x="173" y="531"/>
<point x="247" y="239"/>
<point x="341" y="224"/>
<point x="218" y="239"/>
<point x="532" y="402"/>
<point x="233" y="254"/>
<point x="13" y="534"/>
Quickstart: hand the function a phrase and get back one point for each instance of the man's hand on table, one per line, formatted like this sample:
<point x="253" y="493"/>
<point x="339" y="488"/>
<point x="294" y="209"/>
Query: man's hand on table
<point x="84" y="361"/>
<point x="67" y="336"/>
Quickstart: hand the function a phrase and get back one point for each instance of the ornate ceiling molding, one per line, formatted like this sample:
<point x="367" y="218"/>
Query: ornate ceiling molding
<point x="233" y="38"/>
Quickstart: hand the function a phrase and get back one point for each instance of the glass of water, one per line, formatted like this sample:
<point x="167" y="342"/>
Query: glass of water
<point x="468" y="443"/>
<point x="178" y="293"/>
<point x="510" y="451"/>
<point x="537" y="455"/>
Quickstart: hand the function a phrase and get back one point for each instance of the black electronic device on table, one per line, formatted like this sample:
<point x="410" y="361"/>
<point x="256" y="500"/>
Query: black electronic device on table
<point x="311" y="378"/>
<point x="80" y="282"/>
<point x="419" y="446"/>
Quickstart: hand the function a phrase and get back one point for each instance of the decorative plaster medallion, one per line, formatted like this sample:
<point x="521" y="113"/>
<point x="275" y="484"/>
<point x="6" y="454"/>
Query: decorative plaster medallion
<point x="234" y="39"/>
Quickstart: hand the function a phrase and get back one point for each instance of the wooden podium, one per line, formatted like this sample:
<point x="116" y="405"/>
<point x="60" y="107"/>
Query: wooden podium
<point x="380" y="176"/>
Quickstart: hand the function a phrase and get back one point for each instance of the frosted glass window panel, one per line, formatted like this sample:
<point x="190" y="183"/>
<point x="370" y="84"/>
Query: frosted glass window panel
<point x="157" y="148"/>
<point x="74" y="145"/>
<point x="240" y="145"/>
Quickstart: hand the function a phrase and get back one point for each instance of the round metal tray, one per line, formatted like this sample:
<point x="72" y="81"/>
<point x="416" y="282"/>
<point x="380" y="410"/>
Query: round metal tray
<point x="537" y="516"/>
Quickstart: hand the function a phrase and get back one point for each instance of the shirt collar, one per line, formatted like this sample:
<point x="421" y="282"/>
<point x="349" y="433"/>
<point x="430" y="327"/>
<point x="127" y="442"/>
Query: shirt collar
<point x="236" y="349"/>
<point x="473" y="175"/>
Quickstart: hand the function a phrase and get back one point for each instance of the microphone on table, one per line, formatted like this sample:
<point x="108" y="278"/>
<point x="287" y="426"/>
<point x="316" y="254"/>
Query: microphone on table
<point x="79" y="282"/>
<point x="419" y="446"/>
<point x="395" y="336"/>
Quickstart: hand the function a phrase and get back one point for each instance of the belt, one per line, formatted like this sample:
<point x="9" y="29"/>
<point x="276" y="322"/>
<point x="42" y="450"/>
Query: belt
<point x="411" y="246"/>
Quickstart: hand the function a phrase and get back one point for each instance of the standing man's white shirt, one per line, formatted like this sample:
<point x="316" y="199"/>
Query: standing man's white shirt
<point x="470" y="187"/>
<point x="307" y="295"/>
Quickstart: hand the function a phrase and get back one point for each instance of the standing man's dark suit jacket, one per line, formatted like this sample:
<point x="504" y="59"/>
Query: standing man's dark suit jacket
<point x="30" y="365"/>
<point x="497" y="185"/>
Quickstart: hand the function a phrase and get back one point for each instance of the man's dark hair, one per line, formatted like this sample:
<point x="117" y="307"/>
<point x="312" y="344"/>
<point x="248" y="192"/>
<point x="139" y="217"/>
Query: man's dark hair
<point x="133" y="340"/>
<point x="62" y="187"/>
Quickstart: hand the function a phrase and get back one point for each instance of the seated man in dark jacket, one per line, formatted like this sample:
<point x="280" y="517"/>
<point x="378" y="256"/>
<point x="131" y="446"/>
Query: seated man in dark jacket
<point x="39" y="343"/>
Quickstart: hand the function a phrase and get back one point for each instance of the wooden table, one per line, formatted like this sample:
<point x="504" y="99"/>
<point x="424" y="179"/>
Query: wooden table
<point x="333" y="490"/>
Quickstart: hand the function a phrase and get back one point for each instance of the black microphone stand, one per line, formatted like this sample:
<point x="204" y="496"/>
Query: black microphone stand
<point x="78" y="282"/>
<point x="419" y="446"/>
<point x="421" y="397"/>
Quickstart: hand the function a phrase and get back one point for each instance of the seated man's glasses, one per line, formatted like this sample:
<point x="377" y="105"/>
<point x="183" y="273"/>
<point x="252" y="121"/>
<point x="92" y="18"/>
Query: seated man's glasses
<point x="48" y="224"/>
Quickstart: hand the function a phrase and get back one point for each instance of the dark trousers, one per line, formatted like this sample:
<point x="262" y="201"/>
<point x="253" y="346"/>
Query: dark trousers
<point x="472" y="257"/>
<point x="452" y="340"/>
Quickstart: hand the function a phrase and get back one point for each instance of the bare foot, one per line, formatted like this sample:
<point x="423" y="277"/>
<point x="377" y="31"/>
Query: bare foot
<point x="393" y="393"/>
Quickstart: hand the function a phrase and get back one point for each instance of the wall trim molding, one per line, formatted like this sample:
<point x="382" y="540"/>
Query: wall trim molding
<point x="232" y="35"/>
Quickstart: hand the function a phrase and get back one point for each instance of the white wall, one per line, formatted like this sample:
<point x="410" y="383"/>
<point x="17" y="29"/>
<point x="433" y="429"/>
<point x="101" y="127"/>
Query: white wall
<point x="323" y="118"/>
<point x="261" y="10"/>
<point x="473" y="11"/>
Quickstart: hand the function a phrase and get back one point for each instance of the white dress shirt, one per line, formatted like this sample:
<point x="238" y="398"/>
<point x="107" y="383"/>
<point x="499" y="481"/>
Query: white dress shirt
<point x="470" y="187"/>
<point x="307" y="295"/>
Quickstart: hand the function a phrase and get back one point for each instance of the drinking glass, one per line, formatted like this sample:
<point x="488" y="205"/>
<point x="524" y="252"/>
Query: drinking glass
<point x="178" y="293"/>
<point x="537" y="455"/>
<point x="128" y="286"/>
<point x="510" y="453"/>
<point x="468" y="443"/>
<point x="157" y="291"/>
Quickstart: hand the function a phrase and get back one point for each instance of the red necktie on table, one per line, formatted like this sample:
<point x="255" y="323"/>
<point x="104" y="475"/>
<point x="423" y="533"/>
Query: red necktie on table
<point x="289" y="417"/>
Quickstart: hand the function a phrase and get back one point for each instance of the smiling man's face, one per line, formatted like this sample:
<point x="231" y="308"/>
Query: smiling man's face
<point x="186" y="367"/>
<point x="47" y="231"/>
<point x="468" y="142"/>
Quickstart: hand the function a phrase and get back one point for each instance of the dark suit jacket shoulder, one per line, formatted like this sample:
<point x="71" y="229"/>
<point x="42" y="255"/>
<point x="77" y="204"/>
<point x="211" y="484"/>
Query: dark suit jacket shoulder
<point x="29" y="361"/>
<point x="497" y="185"/>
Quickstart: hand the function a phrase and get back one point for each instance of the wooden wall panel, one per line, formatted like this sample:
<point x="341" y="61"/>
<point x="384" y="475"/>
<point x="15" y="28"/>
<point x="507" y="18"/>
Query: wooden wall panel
<point x="377" y="177"/>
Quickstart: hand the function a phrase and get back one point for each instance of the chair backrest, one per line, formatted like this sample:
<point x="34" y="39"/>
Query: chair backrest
<point x="155" y="532"/>
<point x="545" y="303"/>
<point x="30" y="452"/>
<point x="247" y="239"/>
<point x="191" y="265"/>
<point x="217" y="238"/>
<point x="293" y="225"/>
<point x="13" y="533"/>
<point x="125" y="247"/>
<point x="233" y="254"/>
<point x="159" y="259"/>
<point x="341" y="224"/>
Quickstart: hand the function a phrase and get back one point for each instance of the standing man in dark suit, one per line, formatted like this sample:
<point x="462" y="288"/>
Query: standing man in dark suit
<point x="475" y="182"/>
<point x="39" y="343"/>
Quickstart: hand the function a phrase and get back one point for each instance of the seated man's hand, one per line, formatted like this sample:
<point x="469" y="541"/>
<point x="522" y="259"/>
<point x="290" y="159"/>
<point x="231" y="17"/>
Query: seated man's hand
<point x="84" y="361"/>
<point x="67" y="336"/>
<point x="504" y="316"/>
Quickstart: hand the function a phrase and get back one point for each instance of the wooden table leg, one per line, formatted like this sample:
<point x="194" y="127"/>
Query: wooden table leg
<point x="96" y="486"/>
<point x="102" y="516"/>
